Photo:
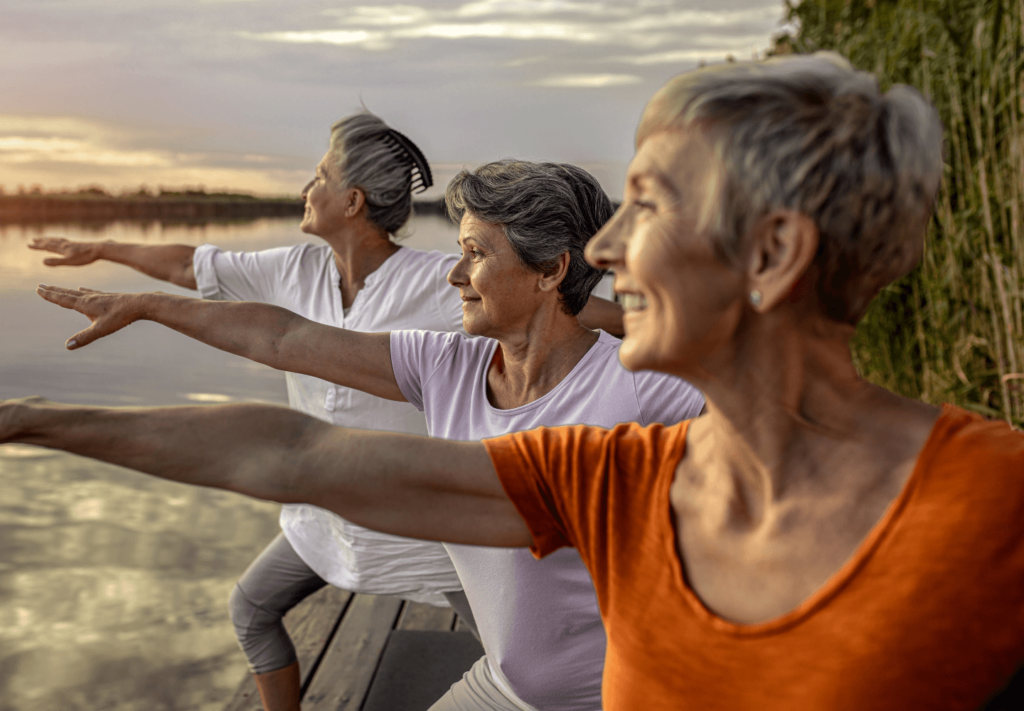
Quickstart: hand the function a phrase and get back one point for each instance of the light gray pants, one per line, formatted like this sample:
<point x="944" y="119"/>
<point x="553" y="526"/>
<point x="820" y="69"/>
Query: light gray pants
<point x="274" y="583"/>
<point x="477" y="691"/>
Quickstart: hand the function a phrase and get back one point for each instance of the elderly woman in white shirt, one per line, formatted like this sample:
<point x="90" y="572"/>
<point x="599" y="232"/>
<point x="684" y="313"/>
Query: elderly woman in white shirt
<point x="523" y="281"/>
<point x="358" y="279"/>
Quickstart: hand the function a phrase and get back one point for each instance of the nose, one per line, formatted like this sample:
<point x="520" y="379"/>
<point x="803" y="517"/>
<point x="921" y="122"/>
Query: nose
<point x="459" y="275"/>
<point x="606" y="249"/>
<point x="305" y="190"/>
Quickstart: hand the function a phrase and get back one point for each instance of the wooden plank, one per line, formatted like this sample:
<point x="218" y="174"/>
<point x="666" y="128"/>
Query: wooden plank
<point x="310" y="625"/>
<point x="311" y="631"/>
<point x="421" y="616"/>
<point x="418" y="667"/>
<point x="345" y="672"/>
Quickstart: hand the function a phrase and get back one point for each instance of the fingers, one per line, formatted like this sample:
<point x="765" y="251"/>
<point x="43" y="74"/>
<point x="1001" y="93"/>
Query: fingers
<point x="48" y="244"/>
<point x="66" y="298"/>
<point x="82" y="339"/>
<point x="100" y="328"/>
<point x="106" y="311"/>
<point x="72" y="254"/>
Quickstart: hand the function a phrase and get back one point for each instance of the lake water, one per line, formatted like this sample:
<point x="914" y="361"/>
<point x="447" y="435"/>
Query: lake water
<point x="113" y="585"/>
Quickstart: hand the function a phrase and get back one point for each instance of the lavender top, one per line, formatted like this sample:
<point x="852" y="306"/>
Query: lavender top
<point x="538" y="620"/>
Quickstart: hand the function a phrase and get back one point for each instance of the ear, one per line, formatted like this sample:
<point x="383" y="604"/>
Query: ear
<point x="551" y="280"/>
<point x="355" y="199"/>
<point x="782" y="248"/>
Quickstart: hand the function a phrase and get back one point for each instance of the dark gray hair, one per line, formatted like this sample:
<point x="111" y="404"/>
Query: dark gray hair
<point x="810" y="133"/>
<point x="368" y="162"/>
<point x="545" y="210"/>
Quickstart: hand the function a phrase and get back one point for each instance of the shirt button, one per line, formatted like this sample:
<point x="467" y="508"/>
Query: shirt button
<point x="329" y="400"/>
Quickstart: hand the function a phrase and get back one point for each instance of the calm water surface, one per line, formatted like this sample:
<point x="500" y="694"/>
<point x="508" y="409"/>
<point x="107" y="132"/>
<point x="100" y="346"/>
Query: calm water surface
<point x="113" y="586"/>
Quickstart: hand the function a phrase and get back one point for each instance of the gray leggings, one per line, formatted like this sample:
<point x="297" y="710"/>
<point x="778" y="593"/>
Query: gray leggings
<point x="274" y="583"/>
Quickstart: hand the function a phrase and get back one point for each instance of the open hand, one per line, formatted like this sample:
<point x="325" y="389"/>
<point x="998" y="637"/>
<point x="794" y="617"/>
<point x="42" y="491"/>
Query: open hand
<point x="73" y="254"/>
<point x="108" y="312"/>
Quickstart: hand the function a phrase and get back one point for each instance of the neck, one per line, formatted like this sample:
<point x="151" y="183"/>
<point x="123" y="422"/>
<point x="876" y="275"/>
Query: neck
<point x="359" y="250"/>
<point x="787" y="411"/>
<point x="529" y="364"/>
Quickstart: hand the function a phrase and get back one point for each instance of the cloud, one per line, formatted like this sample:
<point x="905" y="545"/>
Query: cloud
<point x="23" y="149"/>
<point x="587" y="80"/>
<point x="319" y="37"/>
<point x="60" y="151"/>
<point x="376" y="27"/>
<point x="240" y="93"/>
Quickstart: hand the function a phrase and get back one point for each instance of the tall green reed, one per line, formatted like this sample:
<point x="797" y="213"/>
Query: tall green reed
<point x="953" y="329"/>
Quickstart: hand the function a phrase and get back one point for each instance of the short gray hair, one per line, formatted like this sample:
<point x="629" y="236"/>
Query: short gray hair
<point x="368" y="162"/>
<point x="545" y="210"/>
<point x="810" y="133"/>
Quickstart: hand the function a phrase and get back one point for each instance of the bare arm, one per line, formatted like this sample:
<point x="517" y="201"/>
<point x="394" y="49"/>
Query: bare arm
<point x="401" y="484"/>
<point x="266" y="334"/>
<point x="167" y="262"/>
<point x="603" y="314"/>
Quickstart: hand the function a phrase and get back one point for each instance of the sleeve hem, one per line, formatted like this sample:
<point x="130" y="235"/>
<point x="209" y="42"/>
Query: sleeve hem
<point x="400" y="368"/>
<point x="511" y="469"/>
<point x="205" y="273"/>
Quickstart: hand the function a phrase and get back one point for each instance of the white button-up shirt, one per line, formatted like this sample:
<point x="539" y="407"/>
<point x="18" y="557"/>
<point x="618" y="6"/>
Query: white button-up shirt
<point x="409" y="291"/>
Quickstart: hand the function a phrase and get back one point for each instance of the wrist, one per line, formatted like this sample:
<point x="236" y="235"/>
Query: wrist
<point x="150" y="306"/>
<point x="17" y="418"/>
<point x="101" y="250"/>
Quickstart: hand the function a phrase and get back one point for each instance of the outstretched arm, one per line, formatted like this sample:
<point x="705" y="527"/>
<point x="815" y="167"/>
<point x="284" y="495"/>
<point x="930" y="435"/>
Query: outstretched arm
<point x="603" y="314"/>
<point x="401" y="484"/>
<point x="266" y="334"/>
<point x="167" y="262"/>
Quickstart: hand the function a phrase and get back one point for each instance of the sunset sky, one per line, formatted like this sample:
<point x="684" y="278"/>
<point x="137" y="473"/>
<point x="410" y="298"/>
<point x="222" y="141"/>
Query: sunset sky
<point x="240" y="94"/>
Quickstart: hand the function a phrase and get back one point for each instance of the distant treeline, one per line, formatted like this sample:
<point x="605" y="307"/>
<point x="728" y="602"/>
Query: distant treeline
<point x="95" y="205"/>
<point x="171" y="206"/>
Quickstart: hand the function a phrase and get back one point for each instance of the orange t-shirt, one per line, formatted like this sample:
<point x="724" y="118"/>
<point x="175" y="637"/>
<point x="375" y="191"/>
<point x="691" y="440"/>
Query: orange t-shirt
<point x="928" y="614"/>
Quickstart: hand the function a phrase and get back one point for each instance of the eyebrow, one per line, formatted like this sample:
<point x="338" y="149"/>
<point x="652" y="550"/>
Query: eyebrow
<point x="655" y="177"/>
<point x="470" y="236"/>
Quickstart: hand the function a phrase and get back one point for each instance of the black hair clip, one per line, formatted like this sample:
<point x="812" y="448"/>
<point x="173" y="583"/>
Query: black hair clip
<point x="421" y="177"/>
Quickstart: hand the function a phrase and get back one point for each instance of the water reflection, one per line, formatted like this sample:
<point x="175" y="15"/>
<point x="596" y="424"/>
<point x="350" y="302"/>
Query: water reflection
<point x="114" y="585"/>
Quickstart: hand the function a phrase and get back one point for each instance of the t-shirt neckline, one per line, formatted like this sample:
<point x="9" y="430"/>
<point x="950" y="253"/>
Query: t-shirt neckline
<point x="378" y="274"/>
<point x="837" y="582"/>
<point x="539" y="402"/>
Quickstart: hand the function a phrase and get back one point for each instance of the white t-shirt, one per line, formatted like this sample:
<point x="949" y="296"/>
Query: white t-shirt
<point x="538" y="620"/>
<point x="409" y="290"/>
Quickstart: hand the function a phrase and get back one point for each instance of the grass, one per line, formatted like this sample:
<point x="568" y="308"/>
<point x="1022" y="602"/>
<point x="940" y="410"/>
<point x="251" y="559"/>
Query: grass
<point x="951" y="331"/>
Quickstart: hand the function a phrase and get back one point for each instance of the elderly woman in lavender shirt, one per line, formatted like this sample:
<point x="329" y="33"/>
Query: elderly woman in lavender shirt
<point x="523" y="281"/>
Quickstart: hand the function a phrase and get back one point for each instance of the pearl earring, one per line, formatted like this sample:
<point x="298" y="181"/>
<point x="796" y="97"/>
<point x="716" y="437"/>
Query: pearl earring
<point x="755" y="297"/>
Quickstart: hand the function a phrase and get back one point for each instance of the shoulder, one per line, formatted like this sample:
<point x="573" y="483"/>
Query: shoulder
<point x="423" y="274"/>
<point x="974" y="461"/>
<point x="627" y="448"/>
<point x="294" y="257"/>
<point x="427" y="263"/>
<point x="604" y="355"/>
<point x="314" y="255"/>
<point x="449" y="344"/>
<point x="967" y="440"/>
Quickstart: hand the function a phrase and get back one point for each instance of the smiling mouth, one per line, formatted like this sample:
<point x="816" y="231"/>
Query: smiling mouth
<point x="633" y="302"/>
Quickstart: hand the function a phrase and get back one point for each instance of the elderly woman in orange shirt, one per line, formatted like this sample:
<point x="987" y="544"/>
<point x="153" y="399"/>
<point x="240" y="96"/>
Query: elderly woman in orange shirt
<point x="814" y="541"/>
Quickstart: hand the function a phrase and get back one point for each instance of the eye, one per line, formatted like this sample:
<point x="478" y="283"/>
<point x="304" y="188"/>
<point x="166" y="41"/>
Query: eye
<point x="644" y="204"/>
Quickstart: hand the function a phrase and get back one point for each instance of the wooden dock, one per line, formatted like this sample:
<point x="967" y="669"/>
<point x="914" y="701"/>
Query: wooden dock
<point x="371" y="653"/>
